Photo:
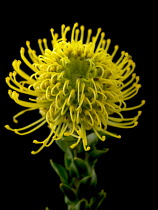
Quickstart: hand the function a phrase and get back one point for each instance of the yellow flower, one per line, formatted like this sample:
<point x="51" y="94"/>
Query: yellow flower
<point x="76" y="86"/>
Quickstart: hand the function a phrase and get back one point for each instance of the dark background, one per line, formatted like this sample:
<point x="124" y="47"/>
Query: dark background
<point x="126" y="171"/>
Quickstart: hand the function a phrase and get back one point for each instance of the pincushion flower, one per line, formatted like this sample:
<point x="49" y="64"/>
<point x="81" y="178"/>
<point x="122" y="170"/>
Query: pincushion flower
<point x="77" y="86"/>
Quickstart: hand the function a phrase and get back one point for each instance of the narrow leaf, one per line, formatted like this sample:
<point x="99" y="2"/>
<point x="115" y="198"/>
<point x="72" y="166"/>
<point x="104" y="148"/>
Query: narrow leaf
<point x="68" y="191"/>
<point x="83" y="187"/>
<point x="102" y="196"/>
<point x="65" y="142"/>
<point x="93" y="179"/>
<point x="60" y="170"/>
<point x="81" y="166"/>
<point x="82" y="205"/>
<point x="73" y="171"/>
<point x="92" y="139"/>
<point x="99" y="200"/>
<point x="68" y="158"/>
<point x="95" y="153"/>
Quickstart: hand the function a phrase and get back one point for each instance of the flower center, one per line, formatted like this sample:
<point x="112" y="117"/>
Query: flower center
<point x="76" y="69"/>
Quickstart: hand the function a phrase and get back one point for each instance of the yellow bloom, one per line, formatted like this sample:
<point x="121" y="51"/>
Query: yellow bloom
<point x="76" y="86"/>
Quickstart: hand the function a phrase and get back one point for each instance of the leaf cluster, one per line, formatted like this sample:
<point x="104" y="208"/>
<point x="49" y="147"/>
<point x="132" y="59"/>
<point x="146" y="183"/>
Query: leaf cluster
<point x="78" y="177"/>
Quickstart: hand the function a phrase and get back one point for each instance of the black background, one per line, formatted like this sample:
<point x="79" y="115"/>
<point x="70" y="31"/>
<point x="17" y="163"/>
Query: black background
<point x="126" y="171"/>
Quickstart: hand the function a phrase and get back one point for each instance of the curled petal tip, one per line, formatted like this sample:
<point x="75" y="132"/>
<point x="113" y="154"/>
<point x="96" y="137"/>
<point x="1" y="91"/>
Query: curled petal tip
<point x="27" y="42"/>
<point x="103" y="138"/>
<point x="143" y="102"/>
<point x="39" y="40"/>
<point x="88" y="148"/>
<point x="15" y="121"/>
<point x="7" y="79"/>
<point x="7" y="127"/>
<point x="99" y="29"/>
<point x="33" y="152"/>
<point x="22" y="50"/>
<point x="35" y="142"/>
<point x="139" y="113"/>
<point x="76" y="24"/>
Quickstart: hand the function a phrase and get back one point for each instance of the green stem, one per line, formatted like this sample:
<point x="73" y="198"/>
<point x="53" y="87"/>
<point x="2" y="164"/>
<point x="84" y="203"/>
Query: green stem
<point x="78" y="176"/>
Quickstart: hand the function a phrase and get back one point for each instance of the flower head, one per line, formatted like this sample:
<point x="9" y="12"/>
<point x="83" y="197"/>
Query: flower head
<point x="76" y="86"/>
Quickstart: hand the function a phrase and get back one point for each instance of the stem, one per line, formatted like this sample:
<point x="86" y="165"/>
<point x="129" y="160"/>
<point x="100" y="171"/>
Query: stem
<point x="78" y="177"/>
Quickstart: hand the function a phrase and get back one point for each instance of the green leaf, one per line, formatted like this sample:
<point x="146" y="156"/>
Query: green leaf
<point x="102" y="196"/>
<point x="68" y="191"/>
<point x="92" y="139"/>
<point x="93" y="182"/>
<point x="82" y="187"/>
<point x="82" y="205"/>
<point x="60" y="170"/>
<point x="68" y="157"/>
<point x="73" y="171"/>
<point x="99" y="200"/>
<point x="65" y="142"/>
<point x="81" y="167"/>
<point x="95" y="153"/>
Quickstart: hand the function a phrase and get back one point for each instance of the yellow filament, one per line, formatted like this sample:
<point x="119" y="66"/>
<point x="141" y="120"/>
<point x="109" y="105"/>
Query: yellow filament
<point x="102" y="138"/>
<point x="129" y="82"/>
<point x="77" y="31"/>
<point x="63" y="110"/>
<point x="81" y="101"/>
<point x="20" y="89"/>
<point x="91" y="118"/>
<point x="14" y="95"/>
<point x="78" y="89"/>
<point x="97" y="35"/>
<point x="21" y="113"/>
<point x="88" y="36"/>
<point x="125" y="119"/>
<point x="45" y="43"/>
<point x="114" y="52"/>
<point x="71" y="133"/>
<point x="44" y="143"/>
<point x="121" y="57"/>
<point x="63" y="129"/>
<point x="134" y="107"/>
<point x="26" y="61"/>
<point x="111" y="134"/>
<point x="75" y="144"/>
<point x="107" y="44"/>
<point x="121" y="125"/>
<point x="73" y="32"/>
<point x="84" y="137"/>
<point x="94" y="94"/>
<point x="16" y="66"/>
<point x="100" y="42"/>
<point x="32" y="53"/>
<point x="78" y="115"/>
<point x="71" y="95"/>
<point x="65" y="86"/>
<point x="40" y="46"/>
<point x="89" y="103"/>
<point x="82" y="34"/>
<point x="28" y="126"/>
<point x="55" y="86"/>
<point x="64" y="32"/>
